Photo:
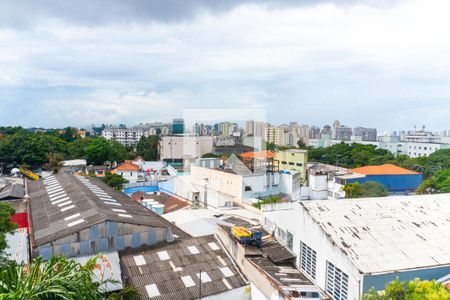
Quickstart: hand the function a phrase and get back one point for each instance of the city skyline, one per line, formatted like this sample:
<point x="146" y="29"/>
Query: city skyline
<point x="355" y="61"/>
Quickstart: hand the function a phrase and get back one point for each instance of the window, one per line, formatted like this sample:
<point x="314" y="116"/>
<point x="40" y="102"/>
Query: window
<point x="291" y="163"/>
<point x="290" y="240"/>
<point x="281" y="234"/>
<point x="308" y="260"/>
<point x="336" y="283"/>
<point x="299" y="164"/>
<point x="248" y="188"/>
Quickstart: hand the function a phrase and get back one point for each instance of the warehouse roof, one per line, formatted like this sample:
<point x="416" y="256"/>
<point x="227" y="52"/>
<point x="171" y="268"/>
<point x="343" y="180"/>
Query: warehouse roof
<point x="386" y="169"/>
<point x="65" y="204"/>
<point x="387" y="234"/>
<point x="12" y="191"/>
<point x="172" y="271"/>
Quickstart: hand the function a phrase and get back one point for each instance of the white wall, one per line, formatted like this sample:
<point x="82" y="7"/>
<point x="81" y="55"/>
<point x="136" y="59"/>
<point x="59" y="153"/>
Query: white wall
<point x="303" y="228"/>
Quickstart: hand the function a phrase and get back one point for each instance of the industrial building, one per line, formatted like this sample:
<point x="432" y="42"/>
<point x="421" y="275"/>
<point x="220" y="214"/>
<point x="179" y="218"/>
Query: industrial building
<point x="347" y="247"/>
<point x="78" y="215"/>
<point x="394" y="178"/>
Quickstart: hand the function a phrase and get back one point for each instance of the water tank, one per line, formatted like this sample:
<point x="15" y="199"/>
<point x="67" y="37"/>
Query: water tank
<point x="158" y="208"/>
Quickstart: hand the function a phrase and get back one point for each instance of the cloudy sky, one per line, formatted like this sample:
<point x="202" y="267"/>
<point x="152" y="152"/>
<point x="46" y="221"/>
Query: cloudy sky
<point x="384" y="64"/>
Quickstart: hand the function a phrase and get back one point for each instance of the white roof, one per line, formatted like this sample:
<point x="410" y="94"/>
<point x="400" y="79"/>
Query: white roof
<point x="389" y="233"/>
<point x="18" y="247"/>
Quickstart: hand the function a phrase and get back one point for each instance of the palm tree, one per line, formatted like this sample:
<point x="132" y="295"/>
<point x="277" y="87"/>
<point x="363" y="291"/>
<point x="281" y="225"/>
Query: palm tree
<point x="57" y="278"/>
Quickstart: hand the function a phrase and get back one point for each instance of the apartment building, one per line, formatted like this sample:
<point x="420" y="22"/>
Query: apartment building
<point x="125" y="136"/>
<point x="275" y="135"/>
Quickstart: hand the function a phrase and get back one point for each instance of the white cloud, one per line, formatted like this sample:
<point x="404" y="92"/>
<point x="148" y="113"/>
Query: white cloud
<point x="312" y="63"/>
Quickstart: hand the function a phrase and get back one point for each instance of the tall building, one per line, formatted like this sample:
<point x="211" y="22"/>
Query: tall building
<point x="343" y="133"/>
<point x="275" y="135"/>
<point x="314" y="132"/>
<point x="178" y="126"/>
<point x="366" y="134"/>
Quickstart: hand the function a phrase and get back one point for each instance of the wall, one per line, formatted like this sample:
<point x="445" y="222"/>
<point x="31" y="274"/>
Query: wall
<point x="305" y="229"/>
<point x="394" y="183"/>
<point x="221" y="181"/>
<point x="179" y="147"/>
<point x="293" y="160"/>
<point x="104" y="236"/>
<point x="379" y="281"/>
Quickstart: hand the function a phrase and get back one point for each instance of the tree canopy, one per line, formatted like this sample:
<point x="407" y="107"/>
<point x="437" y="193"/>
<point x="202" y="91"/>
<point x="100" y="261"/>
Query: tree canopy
<point x="410" y="290"/>
<point x="57" y="278"/>
<point x="147" y="147"/>
<point x="35" y="149"/>
<point x="366" y="189"/>
<point x="6" y="211"/>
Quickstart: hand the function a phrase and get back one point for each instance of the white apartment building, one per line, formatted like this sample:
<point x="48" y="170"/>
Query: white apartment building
<point x="125" y="136"/>
<point x="348" y="246"/>
<point x="186" y="146"/>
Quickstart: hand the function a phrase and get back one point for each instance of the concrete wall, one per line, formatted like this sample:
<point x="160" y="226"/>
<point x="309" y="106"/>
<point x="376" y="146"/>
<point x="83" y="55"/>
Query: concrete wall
<point x="179" y="147"/>
<point x="221" y="181"/>
<point x="102" y="237"/>
<point x="305" y="229"/>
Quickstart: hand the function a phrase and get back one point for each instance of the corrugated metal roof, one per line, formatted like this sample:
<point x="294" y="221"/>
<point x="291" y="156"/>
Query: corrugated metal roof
<point x="56" y="200"/>
<point x="12" y="191"/>
<point x="390" y="233"/>
<point x="170" y="270"/>
<point x="386" y="169"/>
<point x="107" y="268"/>
<point x="18" y="246"/>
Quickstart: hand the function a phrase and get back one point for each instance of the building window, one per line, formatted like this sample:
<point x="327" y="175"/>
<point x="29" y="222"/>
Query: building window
<point x="281" y="234"/>
<point x="308" y="260"/>
<point x="336" y="283"/>
<point x="289" y="240"/>
<point x="291" y="163"/>
<point x="299" y="164"/>
<point x="248" y="188"/>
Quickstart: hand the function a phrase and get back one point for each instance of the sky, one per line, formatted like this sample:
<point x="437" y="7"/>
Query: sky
<point x="383" y="64"/>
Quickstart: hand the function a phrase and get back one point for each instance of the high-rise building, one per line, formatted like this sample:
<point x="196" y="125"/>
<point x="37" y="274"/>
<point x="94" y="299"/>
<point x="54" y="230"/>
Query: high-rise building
<point x="366" y="134"/>
<point x="178" y="126"/>
<point x="343" y="133"/>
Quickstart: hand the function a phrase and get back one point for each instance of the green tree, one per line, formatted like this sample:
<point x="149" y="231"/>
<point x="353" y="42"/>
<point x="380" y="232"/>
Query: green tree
<point x="352" y="190"/>
<point x="147" y="147"/>
<point x="57" y="278"/>
<point x="6" y="211"/>
<point x="367" y="189"/>
<point x="99" y="151"/>
<point x="412" y="290"/>
<point x="438" y="183"/>
<point x="69" y="134"/>
<point x="210" y="155"/>
<point x="270" y="146"/>
<point x="114" y="180"/>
